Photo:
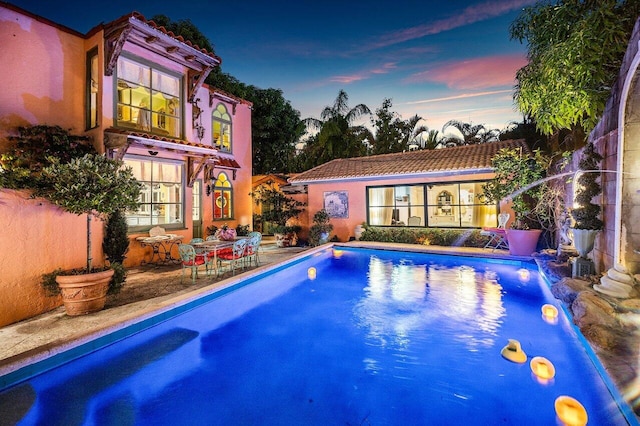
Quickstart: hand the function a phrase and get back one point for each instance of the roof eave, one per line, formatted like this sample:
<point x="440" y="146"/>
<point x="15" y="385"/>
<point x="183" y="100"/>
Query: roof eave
<point x="430" y="174"/>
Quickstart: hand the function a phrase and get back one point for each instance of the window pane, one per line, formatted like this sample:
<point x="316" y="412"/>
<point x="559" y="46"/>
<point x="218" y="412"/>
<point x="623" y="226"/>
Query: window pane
<point x="148" y="103"/>
<point x="161" y="197"/>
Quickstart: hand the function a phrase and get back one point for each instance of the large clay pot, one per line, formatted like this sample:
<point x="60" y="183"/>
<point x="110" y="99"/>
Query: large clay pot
<point x="84" y="293"/>
<point x="584" y="240"/>
<point x="522" y="242"/>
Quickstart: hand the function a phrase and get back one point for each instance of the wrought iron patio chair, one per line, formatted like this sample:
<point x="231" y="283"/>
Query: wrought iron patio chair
<point x="235" y="259"/>
<point x="497" y="236"/>
<point x="253" y="247"/>
<point x="199" y="250"/>
<point x="191" y="260"/>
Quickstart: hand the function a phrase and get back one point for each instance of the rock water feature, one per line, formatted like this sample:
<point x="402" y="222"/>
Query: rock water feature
<point x="616" y="282"/>
<point x="605" y="308"/>
<point x="611" y="324"/>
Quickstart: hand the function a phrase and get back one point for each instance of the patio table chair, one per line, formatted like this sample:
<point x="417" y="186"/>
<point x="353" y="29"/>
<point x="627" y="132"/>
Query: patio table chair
<point x="199" y="250"/>
<point x="189" y="259"/>
<point x="235" y="259"/>
<point x="253" y="246"/>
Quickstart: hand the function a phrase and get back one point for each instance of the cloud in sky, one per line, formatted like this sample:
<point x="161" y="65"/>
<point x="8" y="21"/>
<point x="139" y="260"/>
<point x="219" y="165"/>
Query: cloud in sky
<point x="477" y="73"/>
<point x="470" y="15"/>
<point x="460" y="96"/>
<point x="363" y="75"/>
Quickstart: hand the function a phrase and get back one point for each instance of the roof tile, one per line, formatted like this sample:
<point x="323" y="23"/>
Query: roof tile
<point x="462" y="158"/>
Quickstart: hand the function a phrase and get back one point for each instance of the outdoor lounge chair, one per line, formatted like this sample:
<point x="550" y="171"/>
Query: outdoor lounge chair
<point x="497" y="236"/>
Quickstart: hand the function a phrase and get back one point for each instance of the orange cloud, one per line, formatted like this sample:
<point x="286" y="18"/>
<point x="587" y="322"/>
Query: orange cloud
<point x="479" y="73"/>
<point x="469" y="15"/>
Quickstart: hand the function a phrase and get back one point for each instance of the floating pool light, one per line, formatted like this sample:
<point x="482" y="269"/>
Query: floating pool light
<point x="337" y="253"/>
<point x="570" y="411"/>
<point x="549" y="311"/>
<point x="524" y="274"/>
<point x="311" y="273"/>
<point x="542" y="368"/>
<point x="513" y="352"/>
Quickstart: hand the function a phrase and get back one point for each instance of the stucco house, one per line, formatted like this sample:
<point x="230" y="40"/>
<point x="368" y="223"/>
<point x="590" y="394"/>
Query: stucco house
<point x="426" y="188"/>
<point x="137" y="90"/>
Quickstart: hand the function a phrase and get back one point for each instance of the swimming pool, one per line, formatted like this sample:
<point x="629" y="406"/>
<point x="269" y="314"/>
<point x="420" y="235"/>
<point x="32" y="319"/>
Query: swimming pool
<point x="376" y="337"/>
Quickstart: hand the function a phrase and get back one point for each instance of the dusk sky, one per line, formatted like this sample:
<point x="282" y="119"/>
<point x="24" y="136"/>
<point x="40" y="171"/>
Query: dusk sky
<point x="440" y="60"/>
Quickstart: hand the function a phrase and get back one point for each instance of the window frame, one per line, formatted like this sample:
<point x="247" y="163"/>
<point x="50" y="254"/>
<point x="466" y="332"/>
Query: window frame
<point x="222" y="122"/>
<point x="92" y="115"/>
<point x="176" y="225"/>
<point x="222" y="189"/>
<point x="154" y="114"/>
<point x="428" y="188"/>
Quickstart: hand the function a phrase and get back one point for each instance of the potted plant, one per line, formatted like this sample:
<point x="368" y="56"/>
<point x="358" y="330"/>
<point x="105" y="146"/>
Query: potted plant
<point x="519" y="178"/>
<point x="96" y="186"/>
<point x="279" y="209"/>
<point x="225" y="233"/>
<point x="66" y="170"/>
<point x="319" y="231"/>
<point x="586" y="216"/>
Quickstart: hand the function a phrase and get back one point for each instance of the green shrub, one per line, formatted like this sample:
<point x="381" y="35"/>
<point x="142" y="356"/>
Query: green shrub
<point x="425" y="236"/>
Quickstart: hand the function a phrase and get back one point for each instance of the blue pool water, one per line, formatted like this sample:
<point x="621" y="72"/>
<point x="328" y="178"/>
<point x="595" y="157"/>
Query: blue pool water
<point x="377" y="338"/>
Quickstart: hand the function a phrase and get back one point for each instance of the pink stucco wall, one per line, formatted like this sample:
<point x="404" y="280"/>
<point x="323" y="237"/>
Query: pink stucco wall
<point x="42" y="73"/>
<point x="37" y="238"/>
<point x="344" y="228"/>
<point x="43" y="70"/>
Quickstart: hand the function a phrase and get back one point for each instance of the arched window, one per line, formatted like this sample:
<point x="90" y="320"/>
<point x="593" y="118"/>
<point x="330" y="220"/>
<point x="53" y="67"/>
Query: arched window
<point x="222" y="197"/>
<point x="221" y="121"/>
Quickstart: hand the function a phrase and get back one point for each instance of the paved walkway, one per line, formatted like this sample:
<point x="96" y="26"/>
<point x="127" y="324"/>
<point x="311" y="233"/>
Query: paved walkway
<point x="149" y="290"/>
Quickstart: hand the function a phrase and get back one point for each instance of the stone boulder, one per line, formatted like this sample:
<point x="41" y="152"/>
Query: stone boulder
<point x="589" y="308"/>
<point x="567" y="289"/>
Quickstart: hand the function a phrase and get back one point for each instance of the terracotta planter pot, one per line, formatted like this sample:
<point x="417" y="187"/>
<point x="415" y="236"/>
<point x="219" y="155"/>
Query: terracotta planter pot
<point x="85" y="293"/>
<point x="523" y="242"/>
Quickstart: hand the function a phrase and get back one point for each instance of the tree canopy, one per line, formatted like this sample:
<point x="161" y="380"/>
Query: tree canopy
<point x="394" y="134"/>
<point x="575" y="50"/>
<point x="338" y="135"/>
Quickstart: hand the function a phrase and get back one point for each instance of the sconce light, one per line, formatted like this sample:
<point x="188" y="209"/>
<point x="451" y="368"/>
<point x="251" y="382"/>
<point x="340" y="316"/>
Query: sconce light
<point x="234" y="174"/>
<point x="154" y="153"/>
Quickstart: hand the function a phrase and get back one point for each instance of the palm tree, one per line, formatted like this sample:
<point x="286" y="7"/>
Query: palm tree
<point x="428" y="139"/>
<point x="337" y="136"/>
<point x="471" y="133"/>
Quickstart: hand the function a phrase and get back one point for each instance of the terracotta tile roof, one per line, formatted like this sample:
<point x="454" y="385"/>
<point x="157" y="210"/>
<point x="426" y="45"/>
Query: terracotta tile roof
<point x="140" y="17"/>
<point x="467" y="158"/>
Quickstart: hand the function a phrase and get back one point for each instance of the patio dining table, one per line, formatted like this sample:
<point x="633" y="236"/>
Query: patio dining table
<point x="161" y="247"/>
<point x="214" y="246"/>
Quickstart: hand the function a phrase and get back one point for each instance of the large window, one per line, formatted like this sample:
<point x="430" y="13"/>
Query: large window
<point x="394" y="205"/>
<point x="93" y="84"/>
<point x="221" y="121"/>
<point x="148" y="99"/>
<point x="222" y="198"/>
<point x="447" y="205"/>
<point x="162" y="195"/>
